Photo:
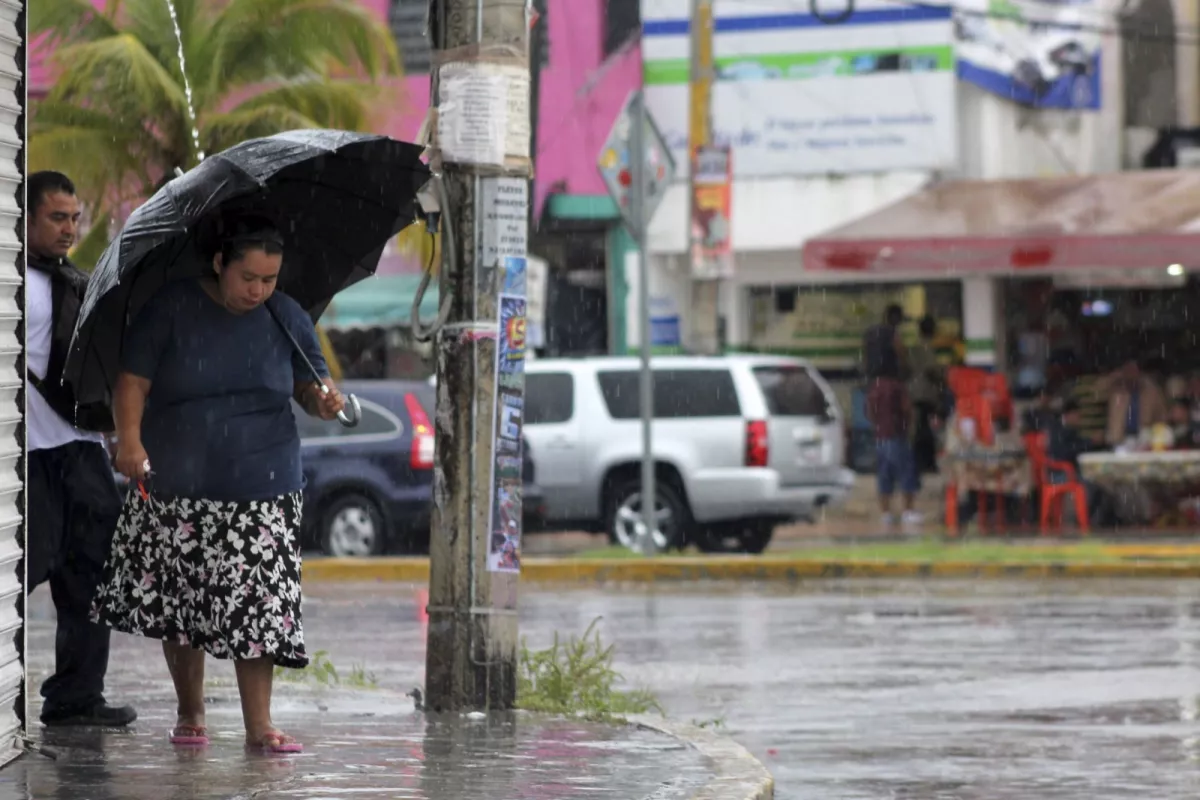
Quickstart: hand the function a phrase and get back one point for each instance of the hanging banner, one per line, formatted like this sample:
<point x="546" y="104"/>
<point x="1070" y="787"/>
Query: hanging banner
<point x="1039" y="53"/>
<point x="712" y="212"/>
<point x="811" y="88"/>
<point x="504" y="539"/>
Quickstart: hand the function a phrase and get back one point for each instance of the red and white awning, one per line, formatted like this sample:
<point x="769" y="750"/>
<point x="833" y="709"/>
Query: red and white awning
<point x="1126" y="220"/>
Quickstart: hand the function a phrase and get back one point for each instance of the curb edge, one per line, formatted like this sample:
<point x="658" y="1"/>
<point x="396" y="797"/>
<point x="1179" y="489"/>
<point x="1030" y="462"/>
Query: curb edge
<point x="739" y="775"/>
<point x="747" y="568"/>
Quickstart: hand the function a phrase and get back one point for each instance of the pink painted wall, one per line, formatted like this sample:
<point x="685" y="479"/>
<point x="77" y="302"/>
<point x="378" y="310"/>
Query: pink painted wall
<point x="581" y="97"/>
<point x="581" y="94"/>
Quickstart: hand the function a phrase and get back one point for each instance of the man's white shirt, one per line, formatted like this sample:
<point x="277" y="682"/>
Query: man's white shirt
<point x="44" y="428"/>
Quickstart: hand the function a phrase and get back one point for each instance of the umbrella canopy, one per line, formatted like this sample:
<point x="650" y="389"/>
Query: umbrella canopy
<point x="337" y="197"/>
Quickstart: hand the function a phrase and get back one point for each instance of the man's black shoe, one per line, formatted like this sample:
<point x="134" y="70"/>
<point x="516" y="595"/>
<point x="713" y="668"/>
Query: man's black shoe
<point x="101" y="716"/>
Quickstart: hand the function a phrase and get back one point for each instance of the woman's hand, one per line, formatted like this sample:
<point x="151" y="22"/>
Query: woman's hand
<point x="328" y="404"/>
<point x="132" y="460"/>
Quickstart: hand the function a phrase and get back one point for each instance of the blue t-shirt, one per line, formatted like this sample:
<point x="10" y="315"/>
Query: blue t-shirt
<point x="218" y="422"/>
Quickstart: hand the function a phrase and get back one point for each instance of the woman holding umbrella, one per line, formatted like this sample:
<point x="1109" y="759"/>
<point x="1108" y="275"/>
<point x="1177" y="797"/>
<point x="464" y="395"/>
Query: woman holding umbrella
<point x="206" y="556"/>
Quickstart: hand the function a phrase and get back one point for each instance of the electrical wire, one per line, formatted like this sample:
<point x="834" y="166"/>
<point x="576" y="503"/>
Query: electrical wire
<point x="420" y="333"/>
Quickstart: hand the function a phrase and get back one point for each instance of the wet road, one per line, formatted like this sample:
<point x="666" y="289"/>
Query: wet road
<point x="996" y="690"/>
<point x="900" y="690"/>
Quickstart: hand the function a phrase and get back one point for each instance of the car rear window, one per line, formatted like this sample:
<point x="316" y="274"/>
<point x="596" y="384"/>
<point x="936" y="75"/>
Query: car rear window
<point x="791" y="392"/>
<point x="678" y="393"/>
<point x="549" y="398"/>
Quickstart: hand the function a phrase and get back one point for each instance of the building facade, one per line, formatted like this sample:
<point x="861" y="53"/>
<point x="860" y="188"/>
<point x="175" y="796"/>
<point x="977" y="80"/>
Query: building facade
<point x="897" y="108"/>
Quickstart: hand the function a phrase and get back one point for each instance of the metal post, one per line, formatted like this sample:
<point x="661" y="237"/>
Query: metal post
<point x="700" y="132"/>
<point x="637" y="207"/>
<point x="472" y="637"/>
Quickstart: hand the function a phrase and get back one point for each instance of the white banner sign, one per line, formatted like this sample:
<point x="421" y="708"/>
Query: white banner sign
<point x="795" y="95"/>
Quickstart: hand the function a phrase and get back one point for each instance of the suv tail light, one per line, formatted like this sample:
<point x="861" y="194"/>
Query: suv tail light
<point x="422" y="443"/>
<point x="756" y="444"/>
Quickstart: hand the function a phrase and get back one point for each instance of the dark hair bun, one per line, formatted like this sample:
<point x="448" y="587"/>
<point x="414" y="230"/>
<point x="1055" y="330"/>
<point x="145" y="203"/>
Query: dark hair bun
<point x="234" y="233"/>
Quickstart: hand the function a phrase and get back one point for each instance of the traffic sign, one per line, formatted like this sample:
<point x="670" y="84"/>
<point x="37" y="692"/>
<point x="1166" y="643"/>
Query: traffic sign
<point x="614" y="163"/>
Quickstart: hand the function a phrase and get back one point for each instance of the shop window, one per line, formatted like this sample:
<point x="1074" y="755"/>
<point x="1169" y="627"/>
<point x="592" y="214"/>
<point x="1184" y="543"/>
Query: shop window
<point x="407" y="20"/>
<point x="622" y="20"/>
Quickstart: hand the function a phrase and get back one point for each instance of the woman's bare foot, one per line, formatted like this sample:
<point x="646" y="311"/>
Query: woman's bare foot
<point x="273" y="740"/>
<point x="190" y="730"/>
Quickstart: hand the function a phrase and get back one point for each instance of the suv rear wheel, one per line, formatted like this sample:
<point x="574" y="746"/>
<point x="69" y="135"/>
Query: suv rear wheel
<point x="747" y="536"/>
<point x="352" y="526"/>
<point x="623" y="514"/>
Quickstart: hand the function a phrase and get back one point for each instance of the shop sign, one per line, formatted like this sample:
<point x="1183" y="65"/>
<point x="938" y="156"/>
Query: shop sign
<point x="805" y="89"/>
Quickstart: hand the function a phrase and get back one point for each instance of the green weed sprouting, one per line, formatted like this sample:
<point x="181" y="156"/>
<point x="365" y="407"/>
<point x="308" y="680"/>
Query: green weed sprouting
<point x="320" y="670"/>
<point x="576" y="678"/>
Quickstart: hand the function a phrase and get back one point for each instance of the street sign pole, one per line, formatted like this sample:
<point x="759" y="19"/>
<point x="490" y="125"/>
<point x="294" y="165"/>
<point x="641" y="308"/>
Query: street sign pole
<point x="637" y="201"/>
<point x="636" y="166"/>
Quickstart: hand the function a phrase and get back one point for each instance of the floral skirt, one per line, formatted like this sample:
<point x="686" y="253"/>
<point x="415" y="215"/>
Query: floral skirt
<point x="219" y="576"/>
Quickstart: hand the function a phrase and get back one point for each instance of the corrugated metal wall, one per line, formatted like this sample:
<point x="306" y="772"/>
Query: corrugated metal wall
<point x="12" y="370"/>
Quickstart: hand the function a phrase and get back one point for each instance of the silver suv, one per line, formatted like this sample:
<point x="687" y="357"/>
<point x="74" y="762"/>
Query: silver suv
<point x="742" y="444"/>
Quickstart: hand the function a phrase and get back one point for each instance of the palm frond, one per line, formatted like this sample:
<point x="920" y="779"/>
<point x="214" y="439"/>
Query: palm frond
<point x="254" y="41"/>
<point x="329" y="104"/>
<point x="68" y="20"/>
<point x="222" y="131"/>
<point x="98" y="151"/>
<point x="121" y="70"/>
<point x="150" y="21"/>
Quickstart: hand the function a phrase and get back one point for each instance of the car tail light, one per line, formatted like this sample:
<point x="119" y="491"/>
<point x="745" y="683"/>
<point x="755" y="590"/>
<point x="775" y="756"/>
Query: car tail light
<point x="422" y="442"/>
<point x="756" y="444"/>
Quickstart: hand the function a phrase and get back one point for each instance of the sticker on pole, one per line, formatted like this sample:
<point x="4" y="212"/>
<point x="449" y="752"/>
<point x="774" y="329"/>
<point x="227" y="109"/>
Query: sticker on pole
<point x="504" y="533"/>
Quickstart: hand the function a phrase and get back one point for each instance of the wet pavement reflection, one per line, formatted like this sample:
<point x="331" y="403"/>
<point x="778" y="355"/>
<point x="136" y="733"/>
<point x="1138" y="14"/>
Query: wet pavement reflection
<point x="363" y="738"/>
<point x="843" y="689"/>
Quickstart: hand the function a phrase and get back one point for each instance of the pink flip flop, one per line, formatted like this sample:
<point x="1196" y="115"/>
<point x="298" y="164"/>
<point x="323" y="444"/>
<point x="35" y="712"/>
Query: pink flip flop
<point x="189" y="736"/>
<point x="272" y="743"/>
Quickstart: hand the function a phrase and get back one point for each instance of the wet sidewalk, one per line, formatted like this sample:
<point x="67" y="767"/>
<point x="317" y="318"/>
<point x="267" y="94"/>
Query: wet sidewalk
<point x="360" y="741"/>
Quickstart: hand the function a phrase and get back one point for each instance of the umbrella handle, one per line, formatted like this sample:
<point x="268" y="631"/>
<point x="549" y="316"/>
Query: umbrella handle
<point x="352" y="419"/>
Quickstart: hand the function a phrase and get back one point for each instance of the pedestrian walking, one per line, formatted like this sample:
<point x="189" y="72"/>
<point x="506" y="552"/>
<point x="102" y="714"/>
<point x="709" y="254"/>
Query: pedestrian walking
<point x="207" y="551"/>
<point x="890" y="411"/>
<point x="73" y="502"/>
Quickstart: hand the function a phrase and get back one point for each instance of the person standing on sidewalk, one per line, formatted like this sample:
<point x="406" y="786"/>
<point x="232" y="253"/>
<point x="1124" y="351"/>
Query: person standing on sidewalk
<point x="928" y="380"/>
<point x="73" y="502"/>
<point x="889" y="408"/>
<point x="207" y="552"/>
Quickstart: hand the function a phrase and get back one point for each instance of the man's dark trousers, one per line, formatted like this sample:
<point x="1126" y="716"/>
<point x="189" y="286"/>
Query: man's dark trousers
<point x="73" y="510"/>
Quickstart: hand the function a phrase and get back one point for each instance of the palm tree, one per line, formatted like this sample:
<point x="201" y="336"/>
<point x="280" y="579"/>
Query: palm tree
<point x="119" y="119"/>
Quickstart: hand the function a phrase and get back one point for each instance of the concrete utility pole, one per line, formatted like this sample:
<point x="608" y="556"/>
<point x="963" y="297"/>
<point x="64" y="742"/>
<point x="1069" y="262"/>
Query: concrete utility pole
<point x="700" y="135"/>
<point x="472" y="636"/>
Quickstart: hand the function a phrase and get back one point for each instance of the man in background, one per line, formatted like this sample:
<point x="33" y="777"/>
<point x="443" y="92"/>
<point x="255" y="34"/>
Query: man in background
<point x="73" y="503"/>
<point x="1135" y="404"/>
<point x="1065" y="442"/>
<point x="889" y="408"/>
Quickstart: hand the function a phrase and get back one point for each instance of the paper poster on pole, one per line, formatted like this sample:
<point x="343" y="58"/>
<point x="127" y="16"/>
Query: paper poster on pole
<point x="504" y="534"/>
<point x="712" y="212"/>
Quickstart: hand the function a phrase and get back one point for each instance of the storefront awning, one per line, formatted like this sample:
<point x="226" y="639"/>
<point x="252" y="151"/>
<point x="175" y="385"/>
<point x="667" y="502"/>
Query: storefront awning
<point x="381" y="301"/>
<point x="1127" y="220"/>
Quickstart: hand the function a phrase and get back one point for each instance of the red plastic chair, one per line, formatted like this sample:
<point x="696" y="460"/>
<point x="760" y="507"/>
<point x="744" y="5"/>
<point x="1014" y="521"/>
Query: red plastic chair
<point x="1053" y="494"/>
<point x="968" y="382"/>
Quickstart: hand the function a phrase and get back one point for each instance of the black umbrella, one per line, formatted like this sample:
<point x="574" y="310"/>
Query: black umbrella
<point x="337" y="197"/>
